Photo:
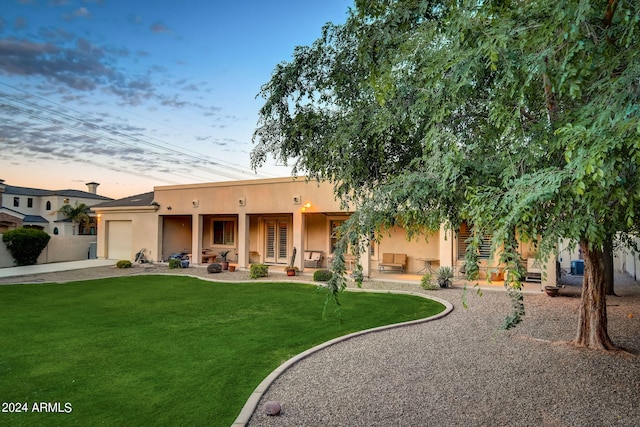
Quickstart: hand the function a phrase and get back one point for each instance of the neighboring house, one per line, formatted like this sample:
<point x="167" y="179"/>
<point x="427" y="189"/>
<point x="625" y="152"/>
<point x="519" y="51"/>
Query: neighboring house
<point x="38" y="208"/>
<point x="262" y="221"/>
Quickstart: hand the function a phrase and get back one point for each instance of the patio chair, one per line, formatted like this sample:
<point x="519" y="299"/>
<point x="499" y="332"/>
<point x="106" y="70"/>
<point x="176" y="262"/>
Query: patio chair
<point x="313" y="259"/>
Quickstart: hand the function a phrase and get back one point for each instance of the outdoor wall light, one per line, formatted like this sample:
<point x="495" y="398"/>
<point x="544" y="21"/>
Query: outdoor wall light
<point x="168" y="208"/>
<point x="306" y="206"/>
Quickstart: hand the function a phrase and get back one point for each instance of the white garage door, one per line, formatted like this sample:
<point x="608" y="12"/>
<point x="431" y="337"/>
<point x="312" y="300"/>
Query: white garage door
<point x="119" y="240"/>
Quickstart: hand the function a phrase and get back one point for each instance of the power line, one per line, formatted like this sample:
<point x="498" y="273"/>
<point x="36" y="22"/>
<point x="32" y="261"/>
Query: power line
<point x="184" y="152"/>
<point x="62" y="124"/>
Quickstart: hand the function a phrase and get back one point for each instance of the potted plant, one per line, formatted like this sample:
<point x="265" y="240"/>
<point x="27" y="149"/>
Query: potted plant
<point x="291" y="269"/>
<point x="552" y="291"/>
<point x="223" y="259"/>
<point x="445" y="274"/>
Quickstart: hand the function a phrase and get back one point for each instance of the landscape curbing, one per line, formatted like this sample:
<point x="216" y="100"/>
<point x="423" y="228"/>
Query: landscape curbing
<point x="254" y="399"/>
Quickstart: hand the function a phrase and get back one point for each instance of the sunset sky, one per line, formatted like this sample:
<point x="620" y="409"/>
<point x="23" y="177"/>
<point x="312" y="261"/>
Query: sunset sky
<point x="134" y="94"/>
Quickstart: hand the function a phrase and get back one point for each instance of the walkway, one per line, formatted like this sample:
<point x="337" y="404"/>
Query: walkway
<point x="54" y="267"/>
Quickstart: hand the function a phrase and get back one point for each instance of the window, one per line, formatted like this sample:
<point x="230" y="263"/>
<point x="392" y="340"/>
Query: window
<point x="16" y="202"/>
<point x="224" y="232"/>
<point x="48" y="205"/>
<point x="29" y="202"/>
<point x="464" y="233"/>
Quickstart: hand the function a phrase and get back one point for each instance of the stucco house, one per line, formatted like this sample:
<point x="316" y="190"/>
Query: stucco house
<point x="38" y="208"/>
<point x="262" y="220"/>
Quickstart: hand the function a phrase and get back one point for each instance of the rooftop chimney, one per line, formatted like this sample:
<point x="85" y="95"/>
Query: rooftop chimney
<point x="92" y="187"/>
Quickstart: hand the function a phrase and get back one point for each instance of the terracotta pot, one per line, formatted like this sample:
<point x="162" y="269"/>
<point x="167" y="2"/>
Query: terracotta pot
<point x="232" y="267"/>
<point x="291" y="272"/>
<point x="552" y="291"/>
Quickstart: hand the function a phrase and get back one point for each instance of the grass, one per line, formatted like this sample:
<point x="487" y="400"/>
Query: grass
<point x="164" y="350"/>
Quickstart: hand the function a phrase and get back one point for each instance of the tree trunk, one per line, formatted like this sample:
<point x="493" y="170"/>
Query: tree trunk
<point x="592" y="321"/>
<point x="608" y="266"/>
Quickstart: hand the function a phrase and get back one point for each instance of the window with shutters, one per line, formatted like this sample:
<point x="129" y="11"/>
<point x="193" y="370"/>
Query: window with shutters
<point x="271" y="241"/>
<point x="464" y="233"/>
<point x="276" y="240"/>
<point x="282" y="240"/>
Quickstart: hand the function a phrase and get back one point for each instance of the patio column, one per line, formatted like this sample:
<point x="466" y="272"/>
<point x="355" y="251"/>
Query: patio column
<point x="299" y="222"/>
<point x="196" y="239"/>
<point x="446" y="254"/>
<point x="243" y="240"/>
<point x="365" y="260"/>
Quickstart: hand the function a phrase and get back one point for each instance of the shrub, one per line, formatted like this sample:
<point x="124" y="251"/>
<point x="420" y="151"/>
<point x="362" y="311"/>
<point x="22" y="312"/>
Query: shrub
<point x="123" y="263"/>
<point x="214" y="267"/>
<point x="427" y="282"/>
<point x="322" y="275"/>
<point x="25" y="244"/>
<point x="258" y="270"/>
<point x="445" y="274"/>
<point x="175" y="263"/>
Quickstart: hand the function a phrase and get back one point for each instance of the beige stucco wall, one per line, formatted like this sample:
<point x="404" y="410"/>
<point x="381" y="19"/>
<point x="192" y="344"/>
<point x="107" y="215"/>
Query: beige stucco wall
<point x="59" y="249"/>
<point x="145" y="229"/>
<point x="176" y="235"/>
<point x="6" y="260"/>
<point x="416" y="248"/>
<point x="281" y="195"/>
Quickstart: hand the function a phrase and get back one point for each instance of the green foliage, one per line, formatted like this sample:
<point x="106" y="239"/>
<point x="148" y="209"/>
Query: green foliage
<point x="322" y="275"/>
<point x="123" y="263"/>
<point x="175" y="263"/>
<point x="258" y="270"/>
<point x="426" y="282"/>
<point x="508" y="115"/>
<point x="158" y="317"/>
<point x="25" y="244"/>
<point x="223" y="255"/>
<point x="76" y="214"/>
<point x="444" y="276"/>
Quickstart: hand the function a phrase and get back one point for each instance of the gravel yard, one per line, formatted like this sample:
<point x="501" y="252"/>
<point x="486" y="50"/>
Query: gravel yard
<point x="461" y="370"/>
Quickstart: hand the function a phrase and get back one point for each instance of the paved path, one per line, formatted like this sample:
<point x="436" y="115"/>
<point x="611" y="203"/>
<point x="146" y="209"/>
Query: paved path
<point x="54" y="267"/>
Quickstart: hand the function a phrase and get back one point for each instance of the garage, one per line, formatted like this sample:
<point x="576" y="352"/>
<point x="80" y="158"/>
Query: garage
<point x="119" y="240"/>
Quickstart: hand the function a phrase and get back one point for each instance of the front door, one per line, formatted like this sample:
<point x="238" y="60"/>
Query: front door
<point x="276" y="240"/>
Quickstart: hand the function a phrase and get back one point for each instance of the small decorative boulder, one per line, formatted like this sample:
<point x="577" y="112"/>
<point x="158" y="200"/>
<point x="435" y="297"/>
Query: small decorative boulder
<point x="214" y="268"/>
<point x="271" y="408"/>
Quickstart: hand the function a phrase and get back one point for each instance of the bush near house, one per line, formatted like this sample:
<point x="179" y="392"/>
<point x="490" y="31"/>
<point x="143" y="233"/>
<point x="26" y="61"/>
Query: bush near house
<point x="25" y="244"/>
<point x="427" y="283"/>
<point x="123" y="263"/>
<point x="258" y="270"/>
<point x="322" y="275"/>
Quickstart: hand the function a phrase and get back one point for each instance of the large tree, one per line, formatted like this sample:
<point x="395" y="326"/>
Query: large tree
<point x="521" y="117"/>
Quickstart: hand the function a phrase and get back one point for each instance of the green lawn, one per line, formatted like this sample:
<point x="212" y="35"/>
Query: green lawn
<point x="165" y="350"/>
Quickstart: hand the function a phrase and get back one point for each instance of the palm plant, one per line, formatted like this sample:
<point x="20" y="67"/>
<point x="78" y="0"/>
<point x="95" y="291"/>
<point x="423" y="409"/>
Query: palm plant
<point x="77" y="214"/>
